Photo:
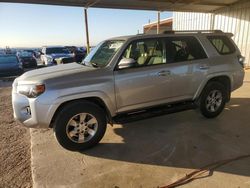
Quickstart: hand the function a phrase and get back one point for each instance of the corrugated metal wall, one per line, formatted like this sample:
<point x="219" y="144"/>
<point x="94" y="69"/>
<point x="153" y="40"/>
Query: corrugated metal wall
<point x="234" y="19"/>
<point x="192" y="21"/>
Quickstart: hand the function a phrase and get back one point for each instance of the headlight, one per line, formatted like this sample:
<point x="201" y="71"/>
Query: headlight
<point x="31" y="91"/>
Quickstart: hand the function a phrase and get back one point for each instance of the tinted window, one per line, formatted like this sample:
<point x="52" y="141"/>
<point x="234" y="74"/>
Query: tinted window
<point x="222" y="44"/>
<point x="145" y="52"/>
<point x="57" y="51"/>
<point x="8" y="59"/>
<point x="180" y="49"/>
<point x="25" y="54"/>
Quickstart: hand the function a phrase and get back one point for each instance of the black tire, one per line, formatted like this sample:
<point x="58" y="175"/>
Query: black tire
<point x="205" y="108"/>
<point x="71" y="110"/>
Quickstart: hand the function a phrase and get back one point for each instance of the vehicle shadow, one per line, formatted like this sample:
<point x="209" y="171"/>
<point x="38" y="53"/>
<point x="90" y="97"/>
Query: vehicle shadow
<point x="184" y="140"/>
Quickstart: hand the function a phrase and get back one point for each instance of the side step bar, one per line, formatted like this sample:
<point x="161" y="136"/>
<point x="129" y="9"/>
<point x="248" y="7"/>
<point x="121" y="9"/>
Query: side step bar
<point x="153" y="112"/>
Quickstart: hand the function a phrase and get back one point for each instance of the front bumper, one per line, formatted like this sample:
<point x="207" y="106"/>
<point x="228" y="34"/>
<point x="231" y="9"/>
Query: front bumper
<point x="30" y="112"/>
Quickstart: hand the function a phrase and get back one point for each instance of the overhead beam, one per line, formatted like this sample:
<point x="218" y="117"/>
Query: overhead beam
<point x="158" y="5"/>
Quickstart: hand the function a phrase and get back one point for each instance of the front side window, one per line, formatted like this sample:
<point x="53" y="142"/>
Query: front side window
<point x="145" y="52"/>
<point x="101" y="55"/>
<point x="222" y="44"/>
<point x="180" y="49"/>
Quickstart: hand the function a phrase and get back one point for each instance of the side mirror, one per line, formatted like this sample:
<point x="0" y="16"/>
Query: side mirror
<point x="126" y="63"/>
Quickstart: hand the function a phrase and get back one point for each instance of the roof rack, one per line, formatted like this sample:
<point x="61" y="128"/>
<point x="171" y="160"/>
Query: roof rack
<point x="192" y="31"/>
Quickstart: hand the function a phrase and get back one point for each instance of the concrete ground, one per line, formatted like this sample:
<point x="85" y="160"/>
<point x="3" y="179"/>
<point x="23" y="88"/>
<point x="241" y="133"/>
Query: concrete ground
<point x="153" y="152"/>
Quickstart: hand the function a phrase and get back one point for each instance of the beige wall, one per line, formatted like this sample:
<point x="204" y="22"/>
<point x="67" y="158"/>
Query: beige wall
<point x="153" y="30"/>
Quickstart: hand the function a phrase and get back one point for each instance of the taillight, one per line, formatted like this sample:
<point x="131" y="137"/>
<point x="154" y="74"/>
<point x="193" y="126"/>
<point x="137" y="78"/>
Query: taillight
<point x="241" y="60"/>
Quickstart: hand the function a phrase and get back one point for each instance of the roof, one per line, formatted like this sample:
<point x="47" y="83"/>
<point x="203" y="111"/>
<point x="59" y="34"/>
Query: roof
<point x="172" y="33"/>
<point x="167" y="21"/>
<point x="161" y="5"/>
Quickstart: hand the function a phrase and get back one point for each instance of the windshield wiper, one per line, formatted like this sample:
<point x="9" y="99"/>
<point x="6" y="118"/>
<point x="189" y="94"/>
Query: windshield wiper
<point x="94" y="65"/>
<point x="85" y="63"/>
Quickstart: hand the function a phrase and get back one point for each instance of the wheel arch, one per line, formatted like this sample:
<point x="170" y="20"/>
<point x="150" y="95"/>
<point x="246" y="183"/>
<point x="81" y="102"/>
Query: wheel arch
<point x="225" y="80"/>
<point x="96" y="100"/>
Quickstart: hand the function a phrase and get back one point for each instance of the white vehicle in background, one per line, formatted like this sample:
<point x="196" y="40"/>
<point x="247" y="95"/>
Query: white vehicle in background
<point x="50" y="54"/>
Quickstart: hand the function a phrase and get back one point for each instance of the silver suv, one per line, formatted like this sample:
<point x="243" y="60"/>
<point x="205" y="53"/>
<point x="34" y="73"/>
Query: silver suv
<point x="129" y="78"/>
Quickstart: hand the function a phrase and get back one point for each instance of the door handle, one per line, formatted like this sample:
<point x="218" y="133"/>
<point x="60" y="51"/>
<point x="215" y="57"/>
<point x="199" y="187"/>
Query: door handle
<point x="204" y="67"/>
<point x="164" y="73"/>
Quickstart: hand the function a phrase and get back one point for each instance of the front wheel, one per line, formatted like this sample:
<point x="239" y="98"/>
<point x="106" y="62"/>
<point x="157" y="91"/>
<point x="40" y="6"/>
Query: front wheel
<point x="80" y="125"/>
<point x="213" y="100"/>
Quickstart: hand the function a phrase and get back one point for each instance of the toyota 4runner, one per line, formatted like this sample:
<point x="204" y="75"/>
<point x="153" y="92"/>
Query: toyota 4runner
<point x="130" y="78"/>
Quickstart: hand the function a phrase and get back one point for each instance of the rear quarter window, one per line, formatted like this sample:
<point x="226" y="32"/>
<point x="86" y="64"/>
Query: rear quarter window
<point x="183" y="48"/>
<point x="222" y="44"/>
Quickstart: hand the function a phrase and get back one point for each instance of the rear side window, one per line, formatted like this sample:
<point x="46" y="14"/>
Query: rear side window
<point x="222" y="44"/>
<point x="186" y="48"/>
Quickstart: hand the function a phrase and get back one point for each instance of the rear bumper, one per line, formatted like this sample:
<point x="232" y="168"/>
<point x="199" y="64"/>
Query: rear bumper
<point x="238" y="79"/>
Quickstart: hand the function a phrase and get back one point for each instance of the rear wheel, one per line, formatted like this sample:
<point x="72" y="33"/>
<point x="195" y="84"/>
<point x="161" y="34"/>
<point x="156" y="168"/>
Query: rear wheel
<point x="80" y="125"/>
<point x="213" y="99"/>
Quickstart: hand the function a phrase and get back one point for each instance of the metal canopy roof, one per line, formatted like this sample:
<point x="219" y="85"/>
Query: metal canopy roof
<point x="161" y="5"/>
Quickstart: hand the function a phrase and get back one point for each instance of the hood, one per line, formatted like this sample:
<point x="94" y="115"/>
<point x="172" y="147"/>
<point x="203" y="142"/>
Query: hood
<point x="43" y="74"/>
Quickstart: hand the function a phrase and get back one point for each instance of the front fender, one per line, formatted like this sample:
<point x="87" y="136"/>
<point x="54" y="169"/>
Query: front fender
<point x="67" y="98"/>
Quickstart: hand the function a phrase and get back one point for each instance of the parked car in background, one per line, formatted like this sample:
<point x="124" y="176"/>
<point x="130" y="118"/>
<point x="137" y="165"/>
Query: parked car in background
<point x="32" y="51"/>
<point x="79" y="53"/>
<point x="50" y="54"/>
<point x="27" y="59"/>
<point x="2" y="52"/>
<point x="10" y="66"/>
<point x="8" y="50"/>
<point x="128" y="78"/>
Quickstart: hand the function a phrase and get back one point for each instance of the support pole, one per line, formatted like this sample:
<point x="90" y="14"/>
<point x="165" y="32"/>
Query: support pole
<point x="158" y="22"/>
<point x="86" y="29"/>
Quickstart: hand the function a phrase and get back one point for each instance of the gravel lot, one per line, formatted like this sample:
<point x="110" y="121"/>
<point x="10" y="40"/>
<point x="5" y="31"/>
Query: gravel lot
<point x="15" y="170"/>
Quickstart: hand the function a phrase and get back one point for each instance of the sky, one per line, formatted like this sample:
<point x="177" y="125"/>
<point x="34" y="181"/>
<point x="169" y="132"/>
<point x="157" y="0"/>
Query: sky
<point x="26" y="25"/>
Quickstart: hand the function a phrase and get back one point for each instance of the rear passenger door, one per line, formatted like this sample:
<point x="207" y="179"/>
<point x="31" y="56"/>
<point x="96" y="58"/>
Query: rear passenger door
<point x="188" y="65"/>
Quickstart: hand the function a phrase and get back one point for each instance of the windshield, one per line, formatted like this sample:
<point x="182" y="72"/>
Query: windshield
<point x="26" y="54"/>
<point x="103" y="53"/>
<point x="8" y="59"/>
<point x="57" y="51"/>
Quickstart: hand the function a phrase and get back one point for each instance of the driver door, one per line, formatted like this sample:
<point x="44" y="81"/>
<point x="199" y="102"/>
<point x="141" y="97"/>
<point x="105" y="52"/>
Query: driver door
<point x="147" y="82"/>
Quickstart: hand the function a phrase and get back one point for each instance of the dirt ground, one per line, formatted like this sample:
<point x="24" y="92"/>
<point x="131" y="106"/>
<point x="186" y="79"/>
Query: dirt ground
<point x="15" y="170"/>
